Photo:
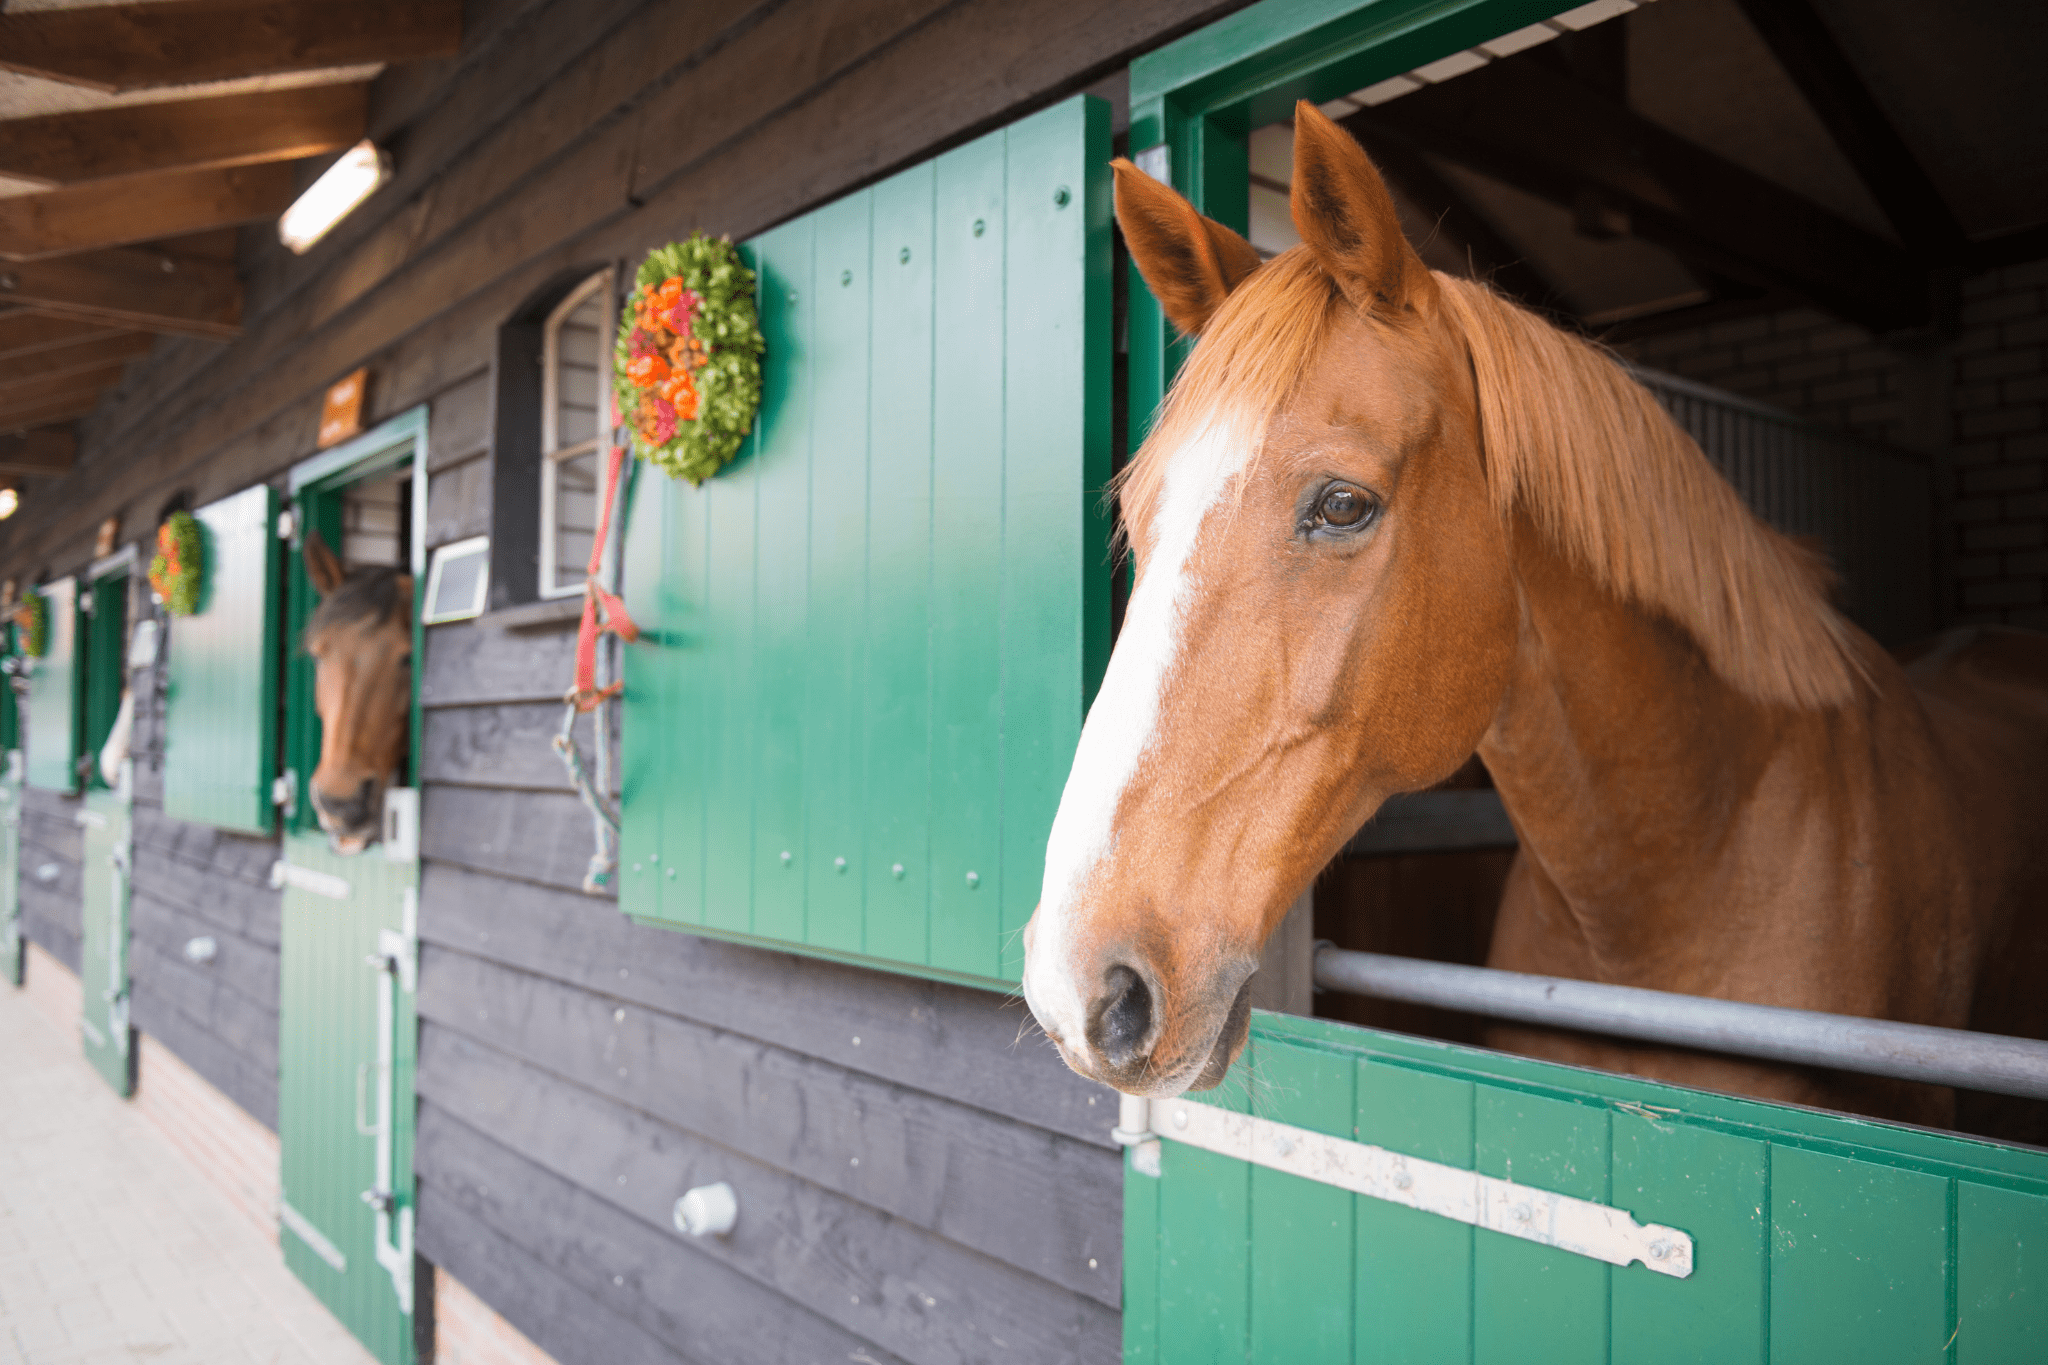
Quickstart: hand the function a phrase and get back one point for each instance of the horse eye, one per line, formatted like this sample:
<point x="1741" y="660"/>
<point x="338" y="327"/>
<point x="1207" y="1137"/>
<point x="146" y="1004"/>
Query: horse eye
<point x="1343" y="505"/>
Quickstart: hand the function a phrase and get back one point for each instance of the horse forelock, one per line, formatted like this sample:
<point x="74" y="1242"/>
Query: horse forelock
<point x="371" y="595"/>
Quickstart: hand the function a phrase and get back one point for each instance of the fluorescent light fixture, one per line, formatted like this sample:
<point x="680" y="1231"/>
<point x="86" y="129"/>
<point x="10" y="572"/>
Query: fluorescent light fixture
<point x="331" y="198"/>
<point x="9" y="500"/>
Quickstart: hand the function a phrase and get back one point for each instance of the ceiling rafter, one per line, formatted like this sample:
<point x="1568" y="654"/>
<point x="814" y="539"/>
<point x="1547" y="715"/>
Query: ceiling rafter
<point x="60" y="405"/>
<point x="60" y="361"/>
<point x="47" y="450"/>
<point x="16" y="390"/>
<point x="25" y="333"/>
<point x="138" y="208"/>
<point x="1492" y="256"/>
<point x="145" y="291"/>
<point x="1549" y="135"/>
<point x="226" y="130"/>
<point x="179" y="42"/>
<point x="1831" y="86"/>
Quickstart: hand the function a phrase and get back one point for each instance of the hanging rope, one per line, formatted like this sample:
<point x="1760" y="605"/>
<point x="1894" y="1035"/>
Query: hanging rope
<point x="602" y="611"/>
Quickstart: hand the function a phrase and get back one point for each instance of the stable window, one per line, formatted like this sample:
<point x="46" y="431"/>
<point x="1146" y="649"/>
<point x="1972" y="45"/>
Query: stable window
<point x="576" y="377"/>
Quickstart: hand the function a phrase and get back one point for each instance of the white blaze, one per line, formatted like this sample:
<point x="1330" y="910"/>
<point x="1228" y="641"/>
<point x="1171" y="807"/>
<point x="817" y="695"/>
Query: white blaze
<point x="1121" y="723"/>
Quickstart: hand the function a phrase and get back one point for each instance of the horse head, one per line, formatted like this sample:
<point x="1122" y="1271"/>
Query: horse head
<point x="1324" y="615"/>
<point x="361" y="642"/>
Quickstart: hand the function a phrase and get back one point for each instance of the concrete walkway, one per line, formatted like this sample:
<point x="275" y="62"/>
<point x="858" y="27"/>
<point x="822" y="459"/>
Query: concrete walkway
<point x="112" y="1248"/>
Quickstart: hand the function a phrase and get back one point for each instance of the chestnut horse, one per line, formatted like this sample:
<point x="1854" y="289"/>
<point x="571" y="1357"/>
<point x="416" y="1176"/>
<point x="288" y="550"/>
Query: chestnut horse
<point x="361" y="642"/>
<point x="1386" y="519"/>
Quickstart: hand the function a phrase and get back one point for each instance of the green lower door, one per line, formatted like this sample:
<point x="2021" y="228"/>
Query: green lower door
<point x="1482" y="1208"/>
<point x="103" y="942"/>
<point x="345" y="1085"/>
<point x="12" y="949"/>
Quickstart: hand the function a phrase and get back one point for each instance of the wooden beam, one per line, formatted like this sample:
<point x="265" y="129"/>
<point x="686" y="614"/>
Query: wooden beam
<point x="1800" y="40"/>
<point x="58" y="406"/>
<point x="57" y="362"/>
<point x="46" y="450"/>
<point x="144" y="291"/>
<point x="17" y="393"/>
<point x="1550" y="136"/>
<point x="23" y="333"/>
<point x="228" y="130"/>
<point x="141" y="208"/>
<point x="1492" y="257"/>
<point x="27" y="388"/>
<point x="178" y="42"/>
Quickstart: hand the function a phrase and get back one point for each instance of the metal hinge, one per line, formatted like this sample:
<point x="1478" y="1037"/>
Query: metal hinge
<point x="1545" y="1217"/>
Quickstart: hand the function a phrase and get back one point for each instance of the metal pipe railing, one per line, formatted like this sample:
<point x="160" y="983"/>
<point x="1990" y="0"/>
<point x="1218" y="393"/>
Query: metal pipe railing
<point x="1875" y="1047"/>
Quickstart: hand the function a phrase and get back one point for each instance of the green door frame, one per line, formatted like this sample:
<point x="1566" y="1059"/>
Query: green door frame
<point x="1200" y="98"/>
<point x="13" y="949"/>
<point x="348" y="1035"/>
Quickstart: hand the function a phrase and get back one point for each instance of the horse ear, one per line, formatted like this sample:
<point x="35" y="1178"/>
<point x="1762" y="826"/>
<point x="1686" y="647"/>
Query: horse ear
<point x="1190" y="262"/>
<point x="1346" y="216"/>
<point x="321" y="565"/>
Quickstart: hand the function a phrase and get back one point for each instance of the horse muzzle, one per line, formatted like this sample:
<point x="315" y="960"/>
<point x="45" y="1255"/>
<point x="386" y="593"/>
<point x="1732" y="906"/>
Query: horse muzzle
<point x="351" y="821"/>
<point x="1130" y="1042"/>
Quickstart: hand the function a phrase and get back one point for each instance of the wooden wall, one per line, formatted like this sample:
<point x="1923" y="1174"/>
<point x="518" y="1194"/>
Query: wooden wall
<point x="52" y="842"/>
<point x="915" y="1182"/>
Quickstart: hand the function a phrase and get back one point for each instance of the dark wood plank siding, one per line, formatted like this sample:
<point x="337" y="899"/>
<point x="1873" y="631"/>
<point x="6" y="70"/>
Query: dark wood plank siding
<point x="51" y="845"/>
<point x="194" y="881"/>
<point x="916" y="1183"/>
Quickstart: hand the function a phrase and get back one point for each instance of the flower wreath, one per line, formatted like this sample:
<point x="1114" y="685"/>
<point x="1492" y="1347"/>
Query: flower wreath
<point x="177" y="572"/>
<point x="687" y="369"/>
<point x="33" y="616"/>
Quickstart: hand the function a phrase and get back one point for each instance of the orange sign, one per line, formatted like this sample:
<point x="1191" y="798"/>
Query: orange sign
<point x="341" y="416"/>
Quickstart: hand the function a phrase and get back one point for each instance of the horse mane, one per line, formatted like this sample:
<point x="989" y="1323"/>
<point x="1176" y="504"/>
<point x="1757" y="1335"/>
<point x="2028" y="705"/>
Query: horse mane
<point x="368" y="594"/>
<point x="1572" y="441"/>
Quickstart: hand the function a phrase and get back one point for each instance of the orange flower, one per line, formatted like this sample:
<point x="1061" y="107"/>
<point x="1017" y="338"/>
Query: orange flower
<point x="681" y="390"/>
<point x="646" y="371"/>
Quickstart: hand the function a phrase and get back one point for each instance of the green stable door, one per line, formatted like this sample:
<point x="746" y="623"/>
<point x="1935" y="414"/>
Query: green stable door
<point x="106" y="821"/>
<point x="13" y="948"/>
<point x="1750" y="1232"/>
<point x="347" y="954"/>
<point x="103" y="940"/>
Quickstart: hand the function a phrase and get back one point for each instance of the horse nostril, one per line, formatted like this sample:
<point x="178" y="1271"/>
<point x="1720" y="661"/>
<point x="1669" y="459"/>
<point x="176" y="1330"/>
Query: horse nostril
<point x="1123" y="1017"/>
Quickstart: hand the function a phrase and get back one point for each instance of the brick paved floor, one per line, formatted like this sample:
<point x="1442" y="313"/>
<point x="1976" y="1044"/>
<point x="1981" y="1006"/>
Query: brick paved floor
<point x="112" y="1248"/>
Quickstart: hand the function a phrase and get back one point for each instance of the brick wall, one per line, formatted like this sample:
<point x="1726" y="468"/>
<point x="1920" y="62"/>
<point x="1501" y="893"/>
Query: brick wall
<point x="1799" y="360"/>
<point x="2000" y="448"/>
<point x="1977" y="403"/>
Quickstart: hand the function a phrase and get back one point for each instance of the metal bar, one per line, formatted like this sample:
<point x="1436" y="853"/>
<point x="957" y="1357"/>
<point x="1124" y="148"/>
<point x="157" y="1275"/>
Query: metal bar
<point x="1874" y="1047"/>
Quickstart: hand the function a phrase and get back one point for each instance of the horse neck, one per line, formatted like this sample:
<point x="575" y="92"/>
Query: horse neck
<point x="1630" y="768"/>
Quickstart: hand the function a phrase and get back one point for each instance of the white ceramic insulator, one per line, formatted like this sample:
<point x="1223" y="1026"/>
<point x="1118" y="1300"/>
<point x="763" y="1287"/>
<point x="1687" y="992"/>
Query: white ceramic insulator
<point x="708" y="1210"/>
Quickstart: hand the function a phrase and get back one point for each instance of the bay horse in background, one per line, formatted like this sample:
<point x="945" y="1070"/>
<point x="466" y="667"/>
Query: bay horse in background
<point x="360" y="638"/>
<point x="1387" y="518"/>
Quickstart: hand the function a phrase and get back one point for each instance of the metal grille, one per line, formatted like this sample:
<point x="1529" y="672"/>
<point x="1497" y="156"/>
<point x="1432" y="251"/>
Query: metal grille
<point x="1868" y="504"/>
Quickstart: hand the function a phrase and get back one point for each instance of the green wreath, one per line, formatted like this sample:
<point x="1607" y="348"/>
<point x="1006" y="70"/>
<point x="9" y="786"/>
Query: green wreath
<point x="178" y="571"/>
<point x="686" y="377"/>
<point x="33" y="616"/>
